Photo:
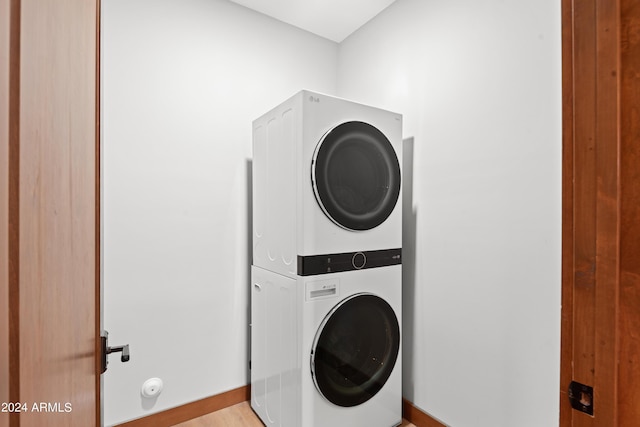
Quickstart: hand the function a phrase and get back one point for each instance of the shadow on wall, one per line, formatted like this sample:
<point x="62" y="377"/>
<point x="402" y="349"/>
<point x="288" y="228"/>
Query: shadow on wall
<point x="249" y="172"/>
<point x="408" y="268"/>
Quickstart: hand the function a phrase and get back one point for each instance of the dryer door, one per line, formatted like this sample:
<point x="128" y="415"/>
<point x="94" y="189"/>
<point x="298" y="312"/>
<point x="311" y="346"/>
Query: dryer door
<point x="356" y="176"/>
<point x="355" y="350"/>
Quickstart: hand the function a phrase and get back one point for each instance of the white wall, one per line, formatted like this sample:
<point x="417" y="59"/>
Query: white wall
<point x="182" y="82"/>
<point x="478" y="82"/>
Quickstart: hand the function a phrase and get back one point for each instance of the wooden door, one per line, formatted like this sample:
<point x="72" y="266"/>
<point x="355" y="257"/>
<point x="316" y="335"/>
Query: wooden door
<point x="601" y="210"/>
<point x="49" y="212"/>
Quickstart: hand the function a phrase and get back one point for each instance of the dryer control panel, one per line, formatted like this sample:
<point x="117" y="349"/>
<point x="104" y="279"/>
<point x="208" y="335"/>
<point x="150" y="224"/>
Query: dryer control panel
<point x="334" y="263"/>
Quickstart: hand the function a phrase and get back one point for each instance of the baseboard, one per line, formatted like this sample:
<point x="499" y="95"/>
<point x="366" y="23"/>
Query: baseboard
<point x="205" y="406"/>
<point x="196" y="409"/>
<point x="417" y="417"/>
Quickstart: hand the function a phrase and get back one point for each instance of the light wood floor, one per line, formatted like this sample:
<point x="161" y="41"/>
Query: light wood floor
<point x="239" y="415"/>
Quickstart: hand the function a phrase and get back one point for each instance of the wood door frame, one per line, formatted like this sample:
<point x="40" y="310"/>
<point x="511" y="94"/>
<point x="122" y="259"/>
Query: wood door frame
<point x="5" y="78"/>
<point x="98" y="222"/>
<point x="12" y="178"/>
<point x="601" y="205"/>
<point x="590" y="206"/>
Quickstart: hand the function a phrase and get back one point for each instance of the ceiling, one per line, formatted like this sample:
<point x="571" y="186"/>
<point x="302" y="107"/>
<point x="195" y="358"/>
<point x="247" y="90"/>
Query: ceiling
<point x="331" y="19"/>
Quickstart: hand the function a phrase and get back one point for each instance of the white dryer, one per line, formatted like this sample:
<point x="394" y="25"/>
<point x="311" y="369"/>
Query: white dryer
<point x="326" y="186"/>
<point x="325" y="350"/>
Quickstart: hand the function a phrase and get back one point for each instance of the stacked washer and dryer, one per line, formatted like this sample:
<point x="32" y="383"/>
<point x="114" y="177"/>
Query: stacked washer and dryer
<point x="326" y="275"/>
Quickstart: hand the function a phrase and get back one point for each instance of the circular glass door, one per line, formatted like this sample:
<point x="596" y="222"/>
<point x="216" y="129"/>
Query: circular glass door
<point x="355" y="350"/>
<point x="356" y="176"/>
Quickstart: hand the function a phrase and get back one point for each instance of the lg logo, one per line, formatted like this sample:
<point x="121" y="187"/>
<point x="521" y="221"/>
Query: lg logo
<point x="313" y="99"/>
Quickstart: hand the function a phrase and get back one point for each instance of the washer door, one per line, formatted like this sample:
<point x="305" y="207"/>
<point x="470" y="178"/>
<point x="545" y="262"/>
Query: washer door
<point x="356" y="176"/>
<point x="355" y="350"/>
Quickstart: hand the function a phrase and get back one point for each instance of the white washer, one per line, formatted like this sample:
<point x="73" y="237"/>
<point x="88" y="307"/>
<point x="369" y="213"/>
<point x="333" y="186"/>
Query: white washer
<point x="326" y="186"/>
<point x="325" y="350"/>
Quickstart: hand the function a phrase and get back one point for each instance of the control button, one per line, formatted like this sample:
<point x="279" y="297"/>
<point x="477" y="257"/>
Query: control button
<point x="358" y="260"/>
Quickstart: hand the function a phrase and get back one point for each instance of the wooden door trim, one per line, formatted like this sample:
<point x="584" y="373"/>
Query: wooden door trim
<point x="607" y="274"/>
<point x="4" y="205"/>
<point x="14" y="208"/>
<point x="591" y="213"/>
<point x="566" y="342"/>
<point x="98" y="227"/>
<point x="629" y="297"/>
<point x="7" y="73"/>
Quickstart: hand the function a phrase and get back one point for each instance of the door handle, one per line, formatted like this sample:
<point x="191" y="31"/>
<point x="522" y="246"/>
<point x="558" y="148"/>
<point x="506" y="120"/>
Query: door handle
<point x="123" y="348"/>
<point x="106" y="350"/>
